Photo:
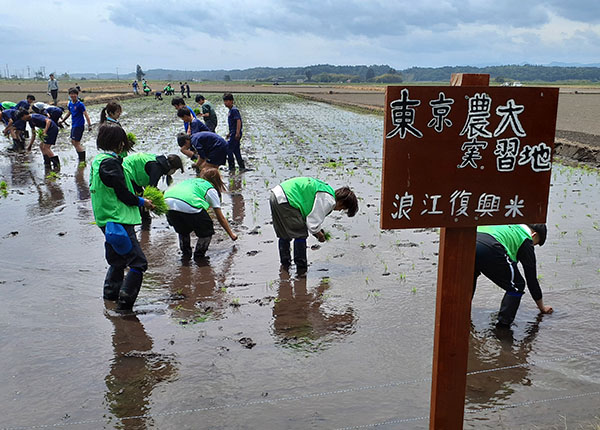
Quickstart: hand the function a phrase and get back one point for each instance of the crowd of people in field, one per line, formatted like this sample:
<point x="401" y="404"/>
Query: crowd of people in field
<point x="119" y="176"/>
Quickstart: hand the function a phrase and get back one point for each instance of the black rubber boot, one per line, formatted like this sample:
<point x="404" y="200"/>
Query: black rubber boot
<point x="146" y="219"/>
<point x="285" y="256"/>
<point x="18" y="146"/>
<point x="47" y="164"/>
<point x="185" y="245"/>
<point x="55" y="162"/>
<point x="81" y="156"/>
<point x="300" y="256"/>
<point x="113" y="283"/>
<point x="129" y="290"/>
<point x="508" y="309"/>
<point x="202" y="247"/>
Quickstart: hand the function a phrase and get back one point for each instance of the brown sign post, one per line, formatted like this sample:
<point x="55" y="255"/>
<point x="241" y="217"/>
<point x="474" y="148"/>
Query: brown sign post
<point x="457" y="157"/>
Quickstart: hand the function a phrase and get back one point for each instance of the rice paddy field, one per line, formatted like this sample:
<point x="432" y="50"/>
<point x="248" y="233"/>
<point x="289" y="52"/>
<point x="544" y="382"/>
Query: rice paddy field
<point x="234" y="342"/>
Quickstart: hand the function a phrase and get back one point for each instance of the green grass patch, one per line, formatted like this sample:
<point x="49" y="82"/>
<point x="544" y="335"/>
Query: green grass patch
<point x="3" y="189"/>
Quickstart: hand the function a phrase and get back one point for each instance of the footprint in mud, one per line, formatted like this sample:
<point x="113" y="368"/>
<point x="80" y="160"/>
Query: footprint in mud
<point x="247" y="342"/>
<point x="255" y="230"/>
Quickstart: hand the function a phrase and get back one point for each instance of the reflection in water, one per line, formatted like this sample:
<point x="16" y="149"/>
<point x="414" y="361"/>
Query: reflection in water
<point x="83" y="188"/>
<point x="194" y="293"/>
<point x="301" y="321"/>
<point x="20" y="174"/>
<point x="83" y="194"/>
<point x="494" y="348"/>
<point x="134" y="372"/>
<point x="237" y="200"/>
<point x="51" y="197"/>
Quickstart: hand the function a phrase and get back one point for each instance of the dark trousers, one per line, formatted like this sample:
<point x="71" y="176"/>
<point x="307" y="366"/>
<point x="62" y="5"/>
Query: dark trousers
<point x="54" y="94"/>
<point x="234" y="150"/>
<point x="134" y="259"/>
<point x="492" y="261"/>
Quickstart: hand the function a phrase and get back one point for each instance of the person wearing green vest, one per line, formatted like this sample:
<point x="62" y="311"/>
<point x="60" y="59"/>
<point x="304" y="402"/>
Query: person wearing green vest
<point x="7" y="105"/>
<point x="299" y="207"/>
<point x="499" y="249"/>
<point x="188" y="203"/>
<point x="116" y="212"/>
<point x="145" y="170"/>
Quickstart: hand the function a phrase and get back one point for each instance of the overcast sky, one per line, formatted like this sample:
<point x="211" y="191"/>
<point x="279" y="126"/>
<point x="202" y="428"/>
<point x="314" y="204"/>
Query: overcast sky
<point x="101" y="36"/>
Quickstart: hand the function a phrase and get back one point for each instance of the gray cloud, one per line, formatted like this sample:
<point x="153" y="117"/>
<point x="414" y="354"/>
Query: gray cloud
<point x="332" y="19"/>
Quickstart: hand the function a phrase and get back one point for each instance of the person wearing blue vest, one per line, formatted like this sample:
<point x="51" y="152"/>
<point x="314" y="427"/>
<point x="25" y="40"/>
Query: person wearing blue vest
<point x="188" y="203"/>
<point x="206" y="148"/>
<point x="50" y="131"/>
<point x="13" y="127"/>
<point x="192" y="124"/>
<point x="236" y="127"/>
<point x="26" y="104"/>
<point x="299" y="207"/>
<point x="499" y="249"/>
<point x="53" y="112"/>
<point x="179" y="103"/>
<point x="78" y="112"/>
<point x="116" y="212"/>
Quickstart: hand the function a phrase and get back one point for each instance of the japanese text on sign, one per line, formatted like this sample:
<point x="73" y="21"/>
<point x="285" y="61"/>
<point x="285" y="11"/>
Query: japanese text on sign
<point x="467" y="155"/>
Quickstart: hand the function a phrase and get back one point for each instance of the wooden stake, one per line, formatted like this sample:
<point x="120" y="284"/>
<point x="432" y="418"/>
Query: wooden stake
<point x="453" y="312"/>
<point x="452" y="324"/>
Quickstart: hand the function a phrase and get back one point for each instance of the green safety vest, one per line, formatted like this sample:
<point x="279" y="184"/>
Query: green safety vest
<point x="510" y="236"/>
<point x="8" y="105"/>
<point x="301" y="192"/>
<point x="192" y="191"/>
<point x="135" y="168"/>
<point x="105" y="203"/>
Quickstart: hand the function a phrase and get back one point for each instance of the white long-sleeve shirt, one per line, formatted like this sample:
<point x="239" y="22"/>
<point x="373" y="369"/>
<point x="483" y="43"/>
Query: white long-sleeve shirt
<point x="323" y="205"/>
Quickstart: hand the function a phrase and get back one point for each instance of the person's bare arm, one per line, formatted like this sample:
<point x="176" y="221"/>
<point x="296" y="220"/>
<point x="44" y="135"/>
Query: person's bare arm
<point x="66" y="117"/>
<point x="87" y="117"/>
<point x="32" y="138"/>
<point x="543" y="309"/>
<point x="224" y="223"/>
<point x="238" y="129"/>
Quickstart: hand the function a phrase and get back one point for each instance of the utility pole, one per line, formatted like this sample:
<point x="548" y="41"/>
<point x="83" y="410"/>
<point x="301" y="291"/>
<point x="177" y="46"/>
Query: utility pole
<point x="28" y="72"/>
<point x="117" y="73"/>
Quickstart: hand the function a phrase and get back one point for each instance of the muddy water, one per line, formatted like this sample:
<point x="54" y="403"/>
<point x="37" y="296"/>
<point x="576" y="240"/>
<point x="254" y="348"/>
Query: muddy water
<point x="234" y="343"/>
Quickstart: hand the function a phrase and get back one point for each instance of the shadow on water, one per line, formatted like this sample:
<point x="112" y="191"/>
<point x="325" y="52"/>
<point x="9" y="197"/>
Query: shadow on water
<point x="495" y="348"/>
<point x="135" y="372"/>
<point x="301" y="318"/>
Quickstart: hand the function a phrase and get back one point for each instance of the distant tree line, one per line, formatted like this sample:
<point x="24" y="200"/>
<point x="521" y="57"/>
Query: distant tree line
<point x="506" y="73"/>
<point x="383" y="73"/>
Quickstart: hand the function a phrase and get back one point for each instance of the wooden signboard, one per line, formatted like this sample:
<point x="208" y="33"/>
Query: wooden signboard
<point x="467" y="156"/>
<point x="457" y="157"/>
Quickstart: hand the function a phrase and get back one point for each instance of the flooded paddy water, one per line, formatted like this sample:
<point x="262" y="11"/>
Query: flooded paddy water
<point x="235" y="343"/>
